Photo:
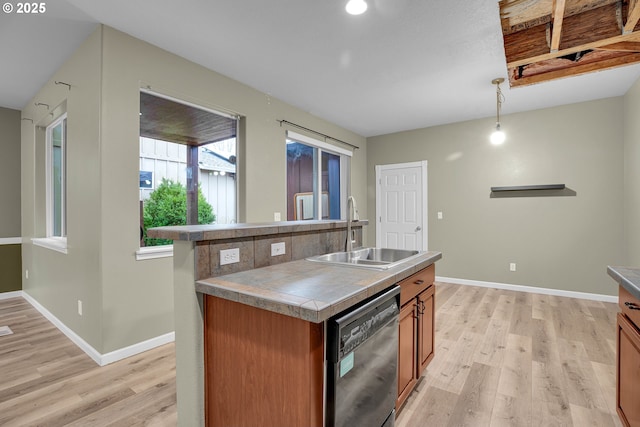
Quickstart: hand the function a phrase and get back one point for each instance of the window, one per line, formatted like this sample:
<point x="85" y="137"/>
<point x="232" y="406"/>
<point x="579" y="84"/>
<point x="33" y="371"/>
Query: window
<point x="317" y="179"/>
<point x="187" y="168"/>
<point x="51" y="180"/>
<point x="56" y="158"/>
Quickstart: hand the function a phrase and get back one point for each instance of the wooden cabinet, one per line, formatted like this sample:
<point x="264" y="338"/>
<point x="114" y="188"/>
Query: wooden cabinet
<point x="416" y="344"/>
<point x="261" y="368"/>
<point x="426" y="317"/>
<point x="628" y="378"/>
<point x="407" y="352"/>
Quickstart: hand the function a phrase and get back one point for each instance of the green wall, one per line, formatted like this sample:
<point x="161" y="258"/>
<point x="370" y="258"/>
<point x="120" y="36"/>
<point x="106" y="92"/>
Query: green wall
<point x="9" y="173"/>
<point x="56" y="280"/>
<point x="563" y="242"/>
<point x="10" y="266"/>
<point x="632" y="175"/>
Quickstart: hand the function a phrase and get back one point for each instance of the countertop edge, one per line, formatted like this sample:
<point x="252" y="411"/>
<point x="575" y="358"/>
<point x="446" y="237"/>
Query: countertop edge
<point x="310" y="309"/>
<point x="627" y="277"/>
<point x="196" y="233"/>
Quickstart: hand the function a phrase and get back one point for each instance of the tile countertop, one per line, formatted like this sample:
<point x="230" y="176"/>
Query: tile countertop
<point x="309" y="290"/>
<point x="627" y="277"/>
<point x="195" y="233"/>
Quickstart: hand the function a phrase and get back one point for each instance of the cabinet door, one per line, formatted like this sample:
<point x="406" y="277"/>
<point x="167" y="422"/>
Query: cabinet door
<point x="426" y="310"/>
<point x="628" y="372"/>
<point x="251" y="353"/>
<point x="406" y="352"/>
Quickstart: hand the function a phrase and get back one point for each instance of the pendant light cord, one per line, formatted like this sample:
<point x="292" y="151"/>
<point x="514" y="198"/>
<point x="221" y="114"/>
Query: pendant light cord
<point x="499" y="101"/>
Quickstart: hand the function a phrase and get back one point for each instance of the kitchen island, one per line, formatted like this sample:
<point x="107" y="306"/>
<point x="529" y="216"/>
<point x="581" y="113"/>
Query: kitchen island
<point x="260" y="321"/>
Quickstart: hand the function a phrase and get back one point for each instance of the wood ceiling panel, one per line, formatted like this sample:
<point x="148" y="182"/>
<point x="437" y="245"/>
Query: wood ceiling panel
<point x="550" y="39"/>
<point x="517" y="15"/>
<point x="167" y="120"/>
<point x="526" y="44"/>
<point x="592" y="25"/>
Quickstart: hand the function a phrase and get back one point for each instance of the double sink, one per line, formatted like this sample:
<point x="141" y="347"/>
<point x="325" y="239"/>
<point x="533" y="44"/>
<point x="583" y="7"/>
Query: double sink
<point x="372" y="258"/>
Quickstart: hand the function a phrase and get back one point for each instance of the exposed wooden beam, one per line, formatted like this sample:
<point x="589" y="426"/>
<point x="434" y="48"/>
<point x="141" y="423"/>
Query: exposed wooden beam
<point x="558" y="16"/>
<point x="632" y="17"/>
<point x="551" y="39"/>
<point x="578" y="30"/>
<point x="633" y="37"/>
<point x="631" y="58"/>
<point x="622" y="47"/>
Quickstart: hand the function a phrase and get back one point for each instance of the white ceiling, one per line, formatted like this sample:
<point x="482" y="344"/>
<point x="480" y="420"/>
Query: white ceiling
<point x="404" y="64"/>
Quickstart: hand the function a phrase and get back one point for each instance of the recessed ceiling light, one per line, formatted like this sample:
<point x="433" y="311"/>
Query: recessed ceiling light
<point x="356" y="7"/>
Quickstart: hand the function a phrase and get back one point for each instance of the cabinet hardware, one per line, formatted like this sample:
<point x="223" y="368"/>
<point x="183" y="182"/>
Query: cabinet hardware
<point x="419" y="282"/>
<point x="631" y="305"/>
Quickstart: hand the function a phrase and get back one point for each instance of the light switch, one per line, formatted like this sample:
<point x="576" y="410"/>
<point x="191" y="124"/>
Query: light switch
<point x="439" y="215"/>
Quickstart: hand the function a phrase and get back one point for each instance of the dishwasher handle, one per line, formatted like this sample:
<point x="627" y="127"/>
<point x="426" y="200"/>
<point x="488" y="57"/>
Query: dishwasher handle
<point x="370" y="305"/>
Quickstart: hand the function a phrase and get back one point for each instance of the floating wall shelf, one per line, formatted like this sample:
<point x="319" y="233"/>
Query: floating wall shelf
<point x="529" y="187"/>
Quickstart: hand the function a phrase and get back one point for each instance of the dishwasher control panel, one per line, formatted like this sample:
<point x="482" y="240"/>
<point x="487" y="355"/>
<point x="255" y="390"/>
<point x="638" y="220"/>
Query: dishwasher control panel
<point x="357" y="324"/>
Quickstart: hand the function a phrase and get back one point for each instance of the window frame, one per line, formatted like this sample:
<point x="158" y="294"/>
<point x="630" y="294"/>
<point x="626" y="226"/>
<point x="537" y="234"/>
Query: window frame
<point x="51" y="241"/>
<point x="62" y="120"/>
<point x="345" y="171"/>
<point x="164" y="251"/>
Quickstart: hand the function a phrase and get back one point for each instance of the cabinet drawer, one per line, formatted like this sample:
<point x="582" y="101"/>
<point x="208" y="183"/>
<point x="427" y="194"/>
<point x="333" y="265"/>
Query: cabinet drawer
<point x="416" y="283"/>
<point x="626" y="302"/>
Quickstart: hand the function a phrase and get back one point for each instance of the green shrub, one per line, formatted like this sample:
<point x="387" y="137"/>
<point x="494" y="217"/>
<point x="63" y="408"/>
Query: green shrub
<point x="167" y="205"/>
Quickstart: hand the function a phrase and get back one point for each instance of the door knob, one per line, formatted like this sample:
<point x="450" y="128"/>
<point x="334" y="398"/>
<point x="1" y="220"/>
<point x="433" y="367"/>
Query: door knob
<point x="418" y="228"/>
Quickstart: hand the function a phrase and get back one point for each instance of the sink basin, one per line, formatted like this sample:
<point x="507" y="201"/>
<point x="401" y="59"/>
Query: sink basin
<point x="375" y="258"/>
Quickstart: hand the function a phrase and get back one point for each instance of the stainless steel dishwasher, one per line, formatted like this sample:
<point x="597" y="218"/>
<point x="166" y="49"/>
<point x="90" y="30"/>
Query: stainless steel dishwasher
<point x="362" y="363"/>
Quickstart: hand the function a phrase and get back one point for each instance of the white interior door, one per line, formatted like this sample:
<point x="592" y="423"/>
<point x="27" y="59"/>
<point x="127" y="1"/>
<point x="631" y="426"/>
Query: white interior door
<point x="401" y="206"/>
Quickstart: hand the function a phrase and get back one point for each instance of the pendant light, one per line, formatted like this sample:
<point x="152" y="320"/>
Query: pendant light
<point x="356" y="7"/>
<point x="498" y="136"/>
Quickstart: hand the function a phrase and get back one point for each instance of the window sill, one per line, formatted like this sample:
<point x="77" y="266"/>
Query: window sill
<point x="58" y="244"/>
<point x="153" y="252"/>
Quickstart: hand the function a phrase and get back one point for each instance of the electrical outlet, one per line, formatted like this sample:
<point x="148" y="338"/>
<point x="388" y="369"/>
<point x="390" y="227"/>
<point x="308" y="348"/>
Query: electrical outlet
<point x="512" y="266"/>
<point x="276" y="216"/>
<point x="80" y="307"/>
<point x="26" y="273"/>
<point x="278" y="249"/>
<point x="229" y="256"/>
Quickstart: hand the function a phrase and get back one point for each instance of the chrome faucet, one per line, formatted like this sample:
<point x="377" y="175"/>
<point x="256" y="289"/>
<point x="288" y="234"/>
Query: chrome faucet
<point x="351" y="217"/>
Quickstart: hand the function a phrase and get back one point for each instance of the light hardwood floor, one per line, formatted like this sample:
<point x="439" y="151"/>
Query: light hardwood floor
<point x="503" y="358"/>
<point x="507" y="358"/>
<point x="45" y="380"/>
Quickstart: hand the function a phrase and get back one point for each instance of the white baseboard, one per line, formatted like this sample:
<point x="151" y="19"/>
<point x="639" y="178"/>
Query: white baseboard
<point x="100" y="359"/>
<point x="137" y="348"/>
<point x="12" y="294"/>
<point x="530" y="289"/>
